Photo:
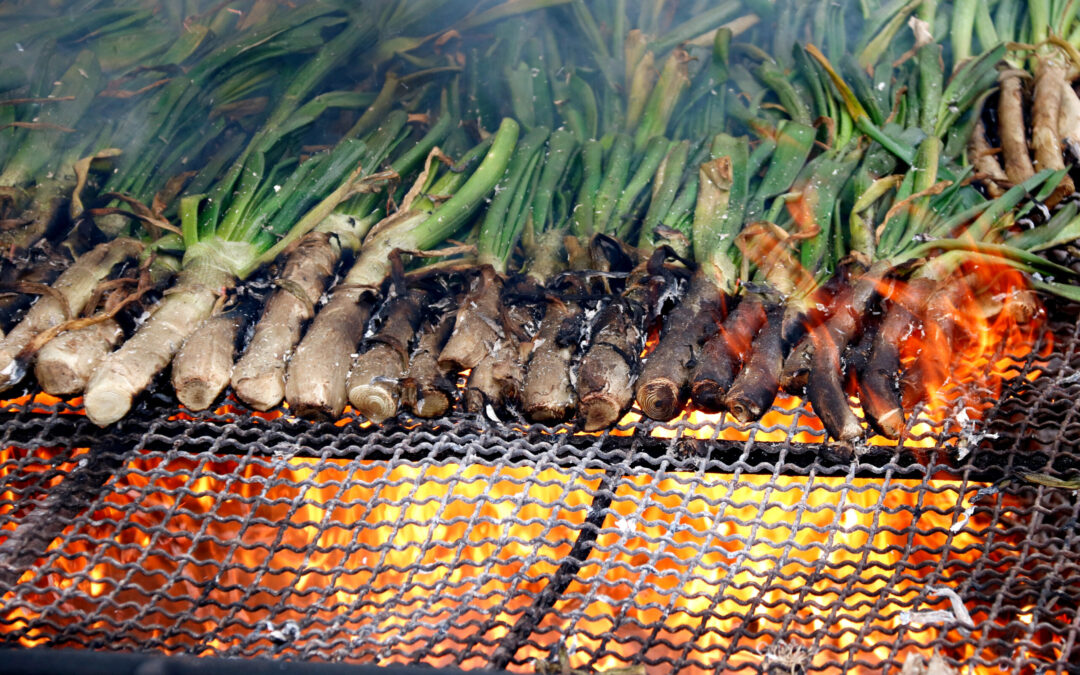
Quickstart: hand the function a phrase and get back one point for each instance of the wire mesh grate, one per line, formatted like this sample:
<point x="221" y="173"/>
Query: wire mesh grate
<point x="703" y="546"/>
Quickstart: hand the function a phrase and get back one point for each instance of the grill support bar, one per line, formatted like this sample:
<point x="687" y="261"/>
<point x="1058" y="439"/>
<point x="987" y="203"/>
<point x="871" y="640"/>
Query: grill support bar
<point x="47" y="521"/>
<point x="394" y="442"/>
<point x="583" y="546"/>
<point x="86" y="662"/>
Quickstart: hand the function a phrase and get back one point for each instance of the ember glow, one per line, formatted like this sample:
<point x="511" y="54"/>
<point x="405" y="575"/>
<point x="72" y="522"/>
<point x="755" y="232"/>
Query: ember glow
<point x="414" y="562"/>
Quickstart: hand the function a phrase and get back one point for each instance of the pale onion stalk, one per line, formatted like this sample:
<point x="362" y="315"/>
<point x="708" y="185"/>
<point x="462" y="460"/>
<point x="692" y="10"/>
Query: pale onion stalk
<point x="203" y="366"/>
<point x="208" y="273"/>
<point x="73" y="289"/>
<point x="65" y="363"/>
<point x="259" y="376"/>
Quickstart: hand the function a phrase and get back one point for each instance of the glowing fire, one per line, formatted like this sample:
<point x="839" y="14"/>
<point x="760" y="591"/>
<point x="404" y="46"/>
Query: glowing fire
<point x="712" y="565"/>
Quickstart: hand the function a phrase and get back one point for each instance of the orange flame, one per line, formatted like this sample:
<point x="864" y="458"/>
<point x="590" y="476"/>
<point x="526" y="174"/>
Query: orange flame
<point x="390" y="553"/>
<point x="998" y="323"/>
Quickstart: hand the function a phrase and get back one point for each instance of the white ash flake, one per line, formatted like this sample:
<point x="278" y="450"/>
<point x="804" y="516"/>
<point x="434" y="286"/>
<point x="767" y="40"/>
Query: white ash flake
<point x="957" y="612"/>
<point x="966" y="514"/>
<point x="494" y="325"/>
<point x="927" y="617"/>
<point x="572" y="645"/>
<point x="626" y="526"/>
<point x="970" y="434"/>
<point x="288" y="632"/>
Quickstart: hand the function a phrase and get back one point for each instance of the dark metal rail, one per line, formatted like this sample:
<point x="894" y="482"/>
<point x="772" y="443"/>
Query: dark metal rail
<point x="468" y="439"/>
<point x="85" y="662"/>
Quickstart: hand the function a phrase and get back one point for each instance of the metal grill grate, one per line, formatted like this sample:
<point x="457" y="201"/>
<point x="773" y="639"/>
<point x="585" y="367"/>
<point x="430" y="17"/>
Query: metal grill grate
<point x="474" y="543"/>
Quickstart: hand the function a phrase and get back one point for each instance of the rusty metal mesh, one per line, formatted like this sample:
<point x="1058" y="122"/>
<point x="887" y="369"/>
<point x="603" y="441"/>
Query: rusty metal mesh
<point x="477" y="543"/>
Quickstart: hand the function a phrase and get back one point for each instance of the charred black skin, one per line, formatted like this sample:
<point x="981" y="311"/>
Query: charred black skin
<point x="756" y="387"/>
<point x="478" y="324"/>
<point x="664" y="385"/>
<point x="612" y="361"/>
<point x="825" y="385"/>
<point x="548" y="394"/>
<point x="878" y="377"/>
<point x="428" y="389"/>
<point x="496" y="379"/>
<point x="14" y="295"/>
<point x="42" y="264"/>
<point x="825" y="382"/>
<point x="797" y="366"/>
<point x="857" y="355"/>
<point x="723" y="353"/>
<point x="610" y="255"/>
<point x="396" y="322"/>
<point x="245" y="311"/>
<point x="793" y="327"/>
<point x="798" y="344"/>
<point x="382" y="361"/>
